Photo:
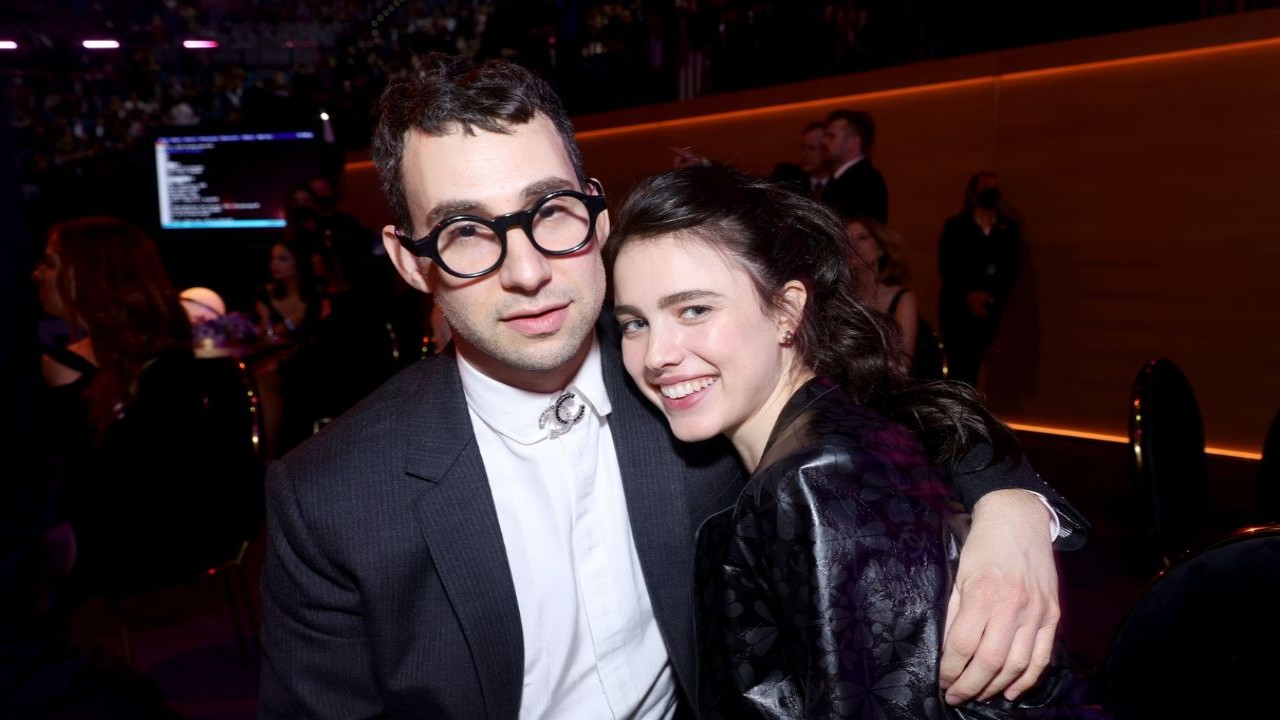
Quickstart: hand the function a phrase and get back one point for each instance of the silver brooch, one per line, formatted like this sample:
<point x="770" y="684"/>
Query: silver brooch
<point x="563" y="414"/>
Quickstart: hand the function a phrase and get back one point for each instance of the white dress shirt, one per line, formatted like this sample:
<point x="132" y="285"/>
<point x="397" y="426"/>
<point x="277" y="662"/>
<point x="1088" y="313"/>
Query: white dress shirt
<point x="592" y="648"/>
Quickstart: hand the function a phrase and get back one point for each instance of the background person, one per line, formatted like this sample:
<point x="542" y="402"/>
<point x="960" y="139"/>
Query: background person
<point x="979" y="258"/>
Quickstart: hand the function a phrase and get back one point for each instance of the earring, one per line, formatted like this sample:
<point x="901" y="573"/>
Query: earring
<point x="787" y="337"/>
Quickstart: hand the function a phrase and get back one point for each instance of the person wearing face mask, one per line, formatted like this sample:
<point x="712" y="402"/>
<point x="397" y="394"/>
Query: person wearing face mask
<point x="979" y="257"/>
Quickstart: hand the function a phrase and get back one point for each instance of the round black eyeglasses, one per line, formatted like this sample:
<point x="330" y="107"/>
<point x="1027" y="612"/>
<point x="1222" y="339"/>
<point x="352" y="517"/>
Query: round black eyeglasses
<point x="467" y="246"/>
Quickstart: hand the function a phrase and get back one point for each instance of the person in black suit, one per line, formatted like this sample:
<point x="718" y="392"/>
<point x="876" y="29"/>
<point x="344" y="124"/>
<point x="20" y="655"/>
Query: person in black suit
<point x="811" y="174"/>
<point x="856" y="187"/>
<point x="979" y="258"/>
<point x="505" y="529"/>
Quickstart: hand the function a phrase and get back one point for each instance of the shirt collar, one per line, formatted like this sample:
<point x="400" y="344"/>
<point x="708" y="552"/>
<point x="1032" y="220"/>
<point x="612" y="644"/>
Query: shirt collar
<point x="514" y="413"/>
<point x="845" y="167"/>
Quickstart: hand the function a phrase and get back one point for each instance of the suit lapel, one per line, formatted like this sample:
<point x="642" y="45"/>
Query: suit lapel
<point x="460" y="525"/>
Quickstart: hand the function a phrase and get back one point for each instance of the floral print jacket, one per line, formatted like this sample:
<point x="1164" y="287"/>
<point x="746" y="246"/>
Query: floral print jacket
<point x="823" y="591"/>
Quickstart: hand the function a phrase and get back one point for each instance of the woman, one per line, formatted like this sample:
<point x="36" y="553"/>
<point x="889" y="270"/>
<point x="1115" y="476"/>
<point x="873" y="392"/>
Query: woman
<point x="881" y="274"/>
<point x="104" y="277"/>
<point x="290" y="305"/>
<point x="823" y="590"/>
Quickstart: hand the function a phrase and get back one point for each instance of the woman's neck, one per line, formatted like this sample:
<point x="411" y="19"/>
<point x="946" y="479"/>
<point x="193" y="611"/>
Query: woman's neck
<point x="751" y="437"/>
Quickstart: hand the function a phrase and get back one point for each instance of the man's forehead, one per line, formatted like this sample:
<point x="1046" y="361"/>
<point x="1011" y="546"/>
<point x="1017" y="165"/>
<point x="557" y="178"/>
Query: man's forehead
<point x="484" y="170"/>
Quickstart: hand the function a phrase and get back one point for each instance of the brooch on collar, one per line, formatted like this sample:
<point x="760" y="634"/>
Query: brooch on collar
<point x="563" y="414"/>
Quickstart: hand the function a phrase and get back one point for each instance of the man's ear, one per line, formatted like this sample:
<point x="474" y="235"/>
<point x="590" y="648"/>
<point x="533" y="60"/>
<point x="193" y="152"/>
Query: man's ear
<point x="602" y="224"/>
<point x="406" y="262"/>
<point x="602" y="227"/>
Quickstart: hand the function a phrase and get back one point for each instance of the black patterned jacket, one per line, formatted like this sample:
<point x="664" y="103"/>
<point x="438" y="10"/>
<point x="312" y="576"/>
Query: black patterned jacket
<point x="823" y="591"/>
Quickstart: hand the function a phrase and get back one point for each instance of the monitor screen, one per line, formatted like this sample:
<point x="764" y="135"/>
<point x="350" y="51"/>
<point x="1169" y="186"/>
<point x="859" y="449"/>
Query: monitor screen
<point x="231" y="180"/>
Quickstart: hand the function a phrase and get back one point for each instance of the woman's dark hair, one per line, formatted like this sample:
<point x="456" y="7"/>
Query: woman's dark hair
<point x="777" y="235"/>
<point x="115" y="287"/>
<point x="892" y="268"/>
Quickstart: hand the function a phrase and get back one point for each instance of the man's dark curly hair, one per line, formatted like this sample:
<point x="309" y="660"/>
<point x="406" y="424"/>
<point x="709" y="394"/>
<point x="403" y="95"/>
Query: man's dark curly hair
<point x="443" y="94"/>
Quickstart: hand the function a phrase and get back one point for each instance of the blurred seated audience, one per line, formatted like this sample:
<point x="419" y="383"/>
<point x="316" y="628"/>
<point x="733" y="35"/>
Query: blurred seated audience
<point x="357" y="346"/>
<point x="291" y="304"/>
<point x="290" y="309"/>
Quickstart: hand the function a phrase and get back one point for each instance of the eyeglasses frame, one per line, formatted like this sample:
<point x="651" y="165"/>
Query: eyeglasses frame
<point x="427" y="246"/>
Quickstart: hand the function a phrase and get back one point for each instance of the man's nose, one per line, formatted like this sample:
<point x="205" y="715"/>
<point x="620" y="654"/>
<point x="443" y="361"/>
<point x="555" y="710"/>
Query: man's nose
<point x="525" y="267"/>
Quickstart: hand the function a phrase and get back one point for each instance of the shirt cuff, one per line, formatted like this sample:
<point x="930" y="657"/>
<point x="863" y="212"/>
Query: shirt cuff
<point x="1056" y="529"/>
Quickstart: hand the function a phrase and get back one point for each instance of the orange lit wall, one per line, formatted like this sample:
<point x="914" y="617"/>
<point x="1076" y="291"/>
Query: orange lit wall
<point x="1145" y="168"/>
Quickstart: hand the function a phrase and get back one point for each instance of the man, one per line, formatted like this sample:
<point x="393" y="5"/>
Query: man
<point x="810" y="175"/>
<point x="505" y="530"/>
<point x="856" y="187"/>
<point x="979" y="257"/>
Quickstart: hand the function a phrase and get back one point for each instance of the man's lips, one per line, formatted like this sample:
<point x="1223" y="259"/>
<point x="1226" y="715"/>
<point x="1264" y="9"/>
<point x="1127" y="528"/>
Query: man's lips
<point x="540" y="321"/>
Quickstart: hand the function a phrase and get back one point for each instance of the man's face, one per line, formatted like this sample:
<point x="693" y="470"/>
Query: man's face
<point x="843" y="144"/>
<point x="528" y="323"/>
<point x="813" y="159"/>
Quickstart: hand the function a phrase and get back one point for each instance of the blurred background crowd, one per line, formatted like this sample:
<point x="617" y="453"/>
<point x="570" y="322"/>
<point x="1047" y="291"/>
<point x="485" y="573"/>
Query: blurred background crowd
<point x="81" y="115"/>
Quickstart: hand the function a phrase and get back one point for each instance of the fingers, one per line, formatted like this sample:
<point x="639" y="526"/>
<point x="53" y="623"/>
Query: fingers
<point x="1040" y="657"/>
<point x="998" y="646"/>
<point x="1016" y="661"/>
<point x="987" y="650"/>
<point x="959" y="642"/>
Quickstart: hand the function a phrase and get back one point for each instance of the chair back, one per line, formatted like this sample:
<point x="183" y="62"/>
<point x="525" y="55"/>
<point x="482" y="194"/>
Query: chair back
<point x="929" y="361"/>
<point x="1170" y="473"/>
<point x="186" y="467"/>
<point x="1268" y="500"/>
<point x="1201" y="641"/>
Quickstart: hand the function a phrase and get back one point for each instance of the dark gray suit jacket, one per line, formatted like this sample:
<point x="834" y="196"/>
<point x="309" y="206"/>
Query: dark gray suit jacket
<point x="386" y="590"/>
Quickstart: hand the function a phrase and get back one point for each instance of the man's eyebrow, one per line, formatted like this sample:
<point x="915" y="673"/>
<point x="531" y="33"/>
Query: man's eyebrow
<point x="464" y="206"/>
<point x="537" y="189"/>
<point x="449" y="208"/>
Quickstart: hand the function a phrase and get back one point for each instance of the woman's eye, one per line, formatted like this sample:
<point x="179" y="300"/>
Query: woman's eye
<point x="631" y="325"/>
<point x="694" y="312"/>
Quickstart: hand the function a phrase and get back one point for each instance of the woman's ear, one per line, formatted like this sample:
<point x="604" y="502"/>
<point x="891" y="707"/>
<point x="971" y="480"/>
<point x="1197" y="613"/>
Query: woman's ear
<point x="794" y="295"/>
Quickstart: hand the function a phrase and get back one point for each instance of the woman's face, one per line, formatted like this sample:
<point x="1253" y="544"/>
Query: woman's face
<point x="46" y="275"/>
<point x="699" y="341"/>
<point x="864" y="250"/>
<point x="283" y="265"/>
